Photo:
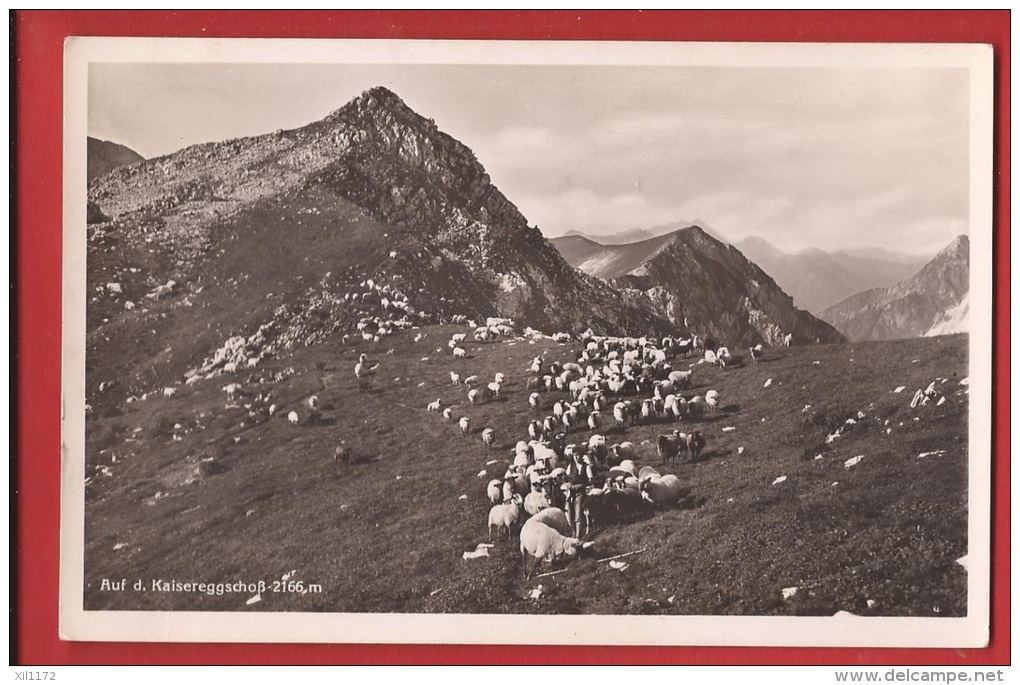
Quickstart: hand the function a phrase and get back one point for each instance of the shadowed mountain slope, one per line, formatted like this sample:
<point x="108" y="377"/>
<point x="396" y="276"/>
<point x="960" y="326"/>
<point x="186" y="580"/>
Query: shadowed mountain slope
<point x="933" y="301"/>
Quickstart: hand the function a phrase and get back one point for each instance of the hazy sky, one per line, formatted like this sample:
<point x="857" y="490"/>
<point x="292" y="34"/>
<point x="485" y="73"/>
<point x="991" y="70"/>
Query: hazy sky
<point x="803" y="157"/>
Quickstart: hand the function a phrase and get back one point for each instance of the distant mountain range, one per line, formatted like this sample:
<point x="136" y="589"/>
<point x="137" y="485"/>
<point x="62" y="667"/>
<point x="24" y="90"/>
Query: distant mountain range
<point x="933" y="301"/>
<point x="637" y="235"/>
<point x="104" y="157"/>
<point x="818" y="279"/>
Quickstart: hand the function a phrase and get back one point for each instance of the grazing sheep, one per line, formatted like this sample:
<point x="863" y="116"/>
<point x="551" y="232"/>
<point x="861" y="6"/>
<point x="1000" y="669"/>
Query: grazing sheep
<point x="647" y="411"/>
<point x="558" y="409"/>
<point x="661" y="491"/>
<point x="505" y="516"/>
<point x="293" y="418"/>
<point x="342" y="454"/>
<point x="534" y="400"/>
<point x="458" y="337"/>
<point x="459" y="353"/>
<point x="625" y="468"/>
<point x="594" y="420"/>
<point x="465" y="425"/>
<point x="515" y="483"/>
<point x="679" y="407"/>
<point x="667" y="448"/>
<point x="695" y="442"/>
<point x="681" y="380"/>
<point x="536" y="501"/>
<point x="455" y="378"/>
<point x="471" y="381"/>
<point x="433" y="406"/>
<point x="555" y="518"/>
<point x="788" y="339"/>
<point x="473" y="396"/>
<point x="647" y="472"/>
<point x="232" y="390"/>
<point x="696" y="406"/>
<point x="620" y="414"/>
<point x="599" y="450"/>
<point x="499" y="378"/>
<point x="625" y="450"/>
<point x="493" y="389"/>
<point x="540" y="541"/>
<point x="549" y="425"/>
<point x="757" y="352"/>
<point x="535" y="430"/>
<point x="569" y="419"/>
<point x="488" y="437"/>
<point x="494" y="490"/>
<point x="712" y="400"/>
<point x="169" y="392"/>
<point x="448" y="414"/>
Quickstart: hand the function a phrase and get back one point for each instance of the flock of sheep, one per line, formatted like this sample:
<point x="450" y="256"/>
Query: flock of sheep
<point x="564" y="476"/>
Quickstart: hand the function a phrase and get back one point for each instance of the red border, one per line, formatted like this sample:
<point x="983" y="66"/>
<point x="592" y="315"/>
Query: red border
<point x="39" y="42"/>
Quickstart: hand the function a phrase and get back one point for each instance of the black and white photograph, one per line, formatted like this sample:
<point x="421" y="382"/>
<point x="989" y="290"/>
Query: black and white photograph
<point x="469" y="342"/>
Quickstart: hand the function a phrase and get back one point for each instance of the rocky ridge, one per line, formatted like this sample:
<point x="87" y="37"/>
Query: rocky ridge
<point x="932" y="301"/>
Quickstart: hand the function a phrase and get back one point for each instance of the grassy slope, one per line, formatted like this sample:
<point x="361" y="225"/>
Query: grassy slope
<point x="388" y="535"/>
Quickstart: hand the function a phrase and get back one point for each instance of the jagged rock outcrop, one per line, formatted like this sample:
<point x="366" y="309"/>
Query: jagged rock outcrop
<point x="931" y="302"/>
<point x="700" y="283"/>
<point x="285" y="227"/>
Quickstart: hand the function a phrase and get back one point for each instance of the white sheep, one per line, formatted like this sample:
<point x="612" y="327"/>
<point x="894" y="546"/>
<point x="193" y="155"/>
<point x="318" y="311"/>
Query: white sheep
<point x="620" y="414"/>
<point x="540" y="541"/>
<point x="169" y="392"/>
<point x="712" y="400"/>
<point x="313" y="401"/>
<point x="499" y="378"/>
<point x="536" y="501"/>
<point x="505" y="516"/>
<point x="625" y="450"/>
<point x="455" y="378"/>
<point x="232" y="390"/>
<point x="594" y="420"/>
<point x="534" y="400"/>
<point x="555" y="518"/>
<point x="494" y="389"/>
<point x="788" y="339"/>
<point x="465" y="425"/>
<point x="494" y="490"/>
<point x="473" y="396"/>
<point x="459" y="353"/>
<point x="433" y="406"/>
<point x="448" y="414"/>
<point x="488" y="437"/>
<point x="471" y="381"/>
<point x="293" y="418"/>
<point x="662" y="490"/>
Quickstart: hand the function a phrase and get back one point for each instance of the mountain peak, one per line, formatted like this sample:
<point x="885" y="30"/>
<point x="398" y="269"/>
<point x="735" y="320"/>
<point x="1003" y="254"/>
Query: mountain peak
<point x="959" y="244"/>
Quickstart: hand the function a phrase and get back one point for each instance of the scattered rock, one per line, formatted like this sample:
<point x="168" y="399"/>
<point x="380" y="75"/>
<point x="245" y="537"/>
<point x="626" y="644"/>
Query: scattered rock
<point x="853" y="461"/>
